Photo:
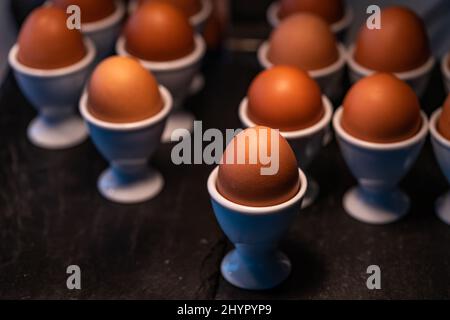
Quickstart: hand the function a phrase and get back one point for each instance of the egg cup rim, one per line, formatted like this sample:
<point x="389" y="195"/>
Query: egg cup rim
<point x="315" y="74"/>
<point x="336" y="27"/>
<point x="435" y="134"/>
<point x="58" y="72"/>
<point x="106" y="22"/>
<point x="445" y="65"/>
<point x="127" y="126"/>
<point x="201" y="16"/>
<point x="295" y="134"/>
<point x="389" y="146"/>
<point x="425" y="68"/>
<point x="180" y="63"/>
<point x="249" y="210"/>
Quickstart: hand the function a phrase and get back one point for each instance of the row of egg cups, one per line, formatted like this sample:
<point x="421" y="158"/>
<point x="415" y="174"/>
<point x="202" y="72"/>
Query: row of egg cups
<point x="378" y="167"/>
<point x="256" y="262"/>
<point x="105" y="32"/>
<point x="55" y="93"/>
<point x="330" y="78"/>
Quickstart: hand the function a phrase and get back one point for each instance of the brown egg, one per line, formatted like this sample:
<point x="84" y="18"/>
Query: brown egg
<point x="158" y="31"/>
<point x="121" y="90"/>
<point x="189" y="7"/>
<point x="244" y="184"/>
<point x="443" y="125"/>
<point x="303" y="40"/>
<point x="382" y="109"/>
<point x="45" y="42"/>
<point x="284" y="98"/>
<point x="90" y="10"/>
<point x="330" y="10"/>
<point x="400" y="45"/>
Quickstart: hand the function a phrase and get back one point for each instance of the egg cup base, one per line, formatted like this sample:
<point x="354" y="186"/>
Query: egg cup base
<point x="380" y="207"/>
<point x="259" y="273"/>
<point x="197" y="84"/>
<point x="312" y="192"/>
<point x="59" y="134"/>
<point x="140" y="188"/>
<point x="442" y="207"/>
<point x="327" y="137"/>
<point x="178" y="119"/>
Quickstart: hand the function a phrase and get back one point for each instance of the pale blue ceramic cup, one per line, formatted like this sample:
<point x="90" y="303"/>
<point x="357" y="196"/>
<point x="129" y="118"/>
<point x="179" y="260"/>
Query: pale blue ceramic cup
<point x="255" y="263"/>
<point x="128" y="147"/>
<point x="441" y="147"/>
<point x="378" y="167"/>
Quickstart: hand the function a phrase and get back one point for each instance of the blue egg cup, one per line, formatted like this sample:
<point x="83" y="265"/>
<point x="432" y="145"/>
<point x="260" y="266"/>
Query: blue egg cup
<point x="255" y="263"/>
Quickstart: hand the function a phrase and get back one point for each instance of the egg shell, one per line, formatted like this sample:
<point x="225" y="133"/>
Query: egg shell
<point x="303" y="40"/>
<point x="285" y="98"/>
<point x="45" y="42"/>
<point x="158" y="31"/>
<point x="243" y="183"/>
<point x="381" y="109"/>
<point x="121" y="90"/>
<point x="189" y="7"/>
<point x="443" y="125"/>
<point x="400" y="45"/>
<point x="330" y="10"/>
<point x="91" y="10"/>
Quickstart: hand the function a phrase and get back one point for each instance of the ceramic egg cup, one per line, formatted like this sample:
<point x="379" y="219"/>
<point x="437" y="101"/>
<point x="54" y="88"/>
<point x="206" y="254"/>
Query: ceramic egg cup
<point x="54" y="93"/>
<point x="441" y="147"/>
<point x="339" y="28"/>
<point x="175" y="75"/>
<point x="104" y="33"/>
<point x="305" y="143"/>
<point x="418" y="78"/>
<point x="378" y="167"/>
<point x="446" y="71"/>
<point x="256" y="263"/>
<point x="329" y="78"/>
<point x="127" y="147"/>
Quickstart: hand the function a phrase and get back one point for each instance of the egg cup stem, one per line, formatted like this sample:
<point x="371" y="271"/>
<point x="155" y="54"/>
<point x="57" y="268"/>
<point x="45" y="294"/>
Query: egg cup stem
<point x="376" y="206"/>
<point x="178" y="119"/>
<point x="255" y="267"/>
<point x="59" y="132"/>
<point x="443" y="207"/>
<point x="130" y="184"/>
<point x="197" y="84"/>
<point x="312" y="192"/>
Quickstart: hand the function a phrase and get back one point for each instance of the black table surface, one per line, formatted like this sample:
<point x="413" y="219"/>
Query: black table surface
<point x="52" y="216"/>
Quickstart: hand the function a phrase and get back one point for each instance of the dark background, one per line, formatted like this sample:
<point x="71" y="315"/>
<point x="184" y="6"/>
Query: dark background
<point x="52" y="216"/>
